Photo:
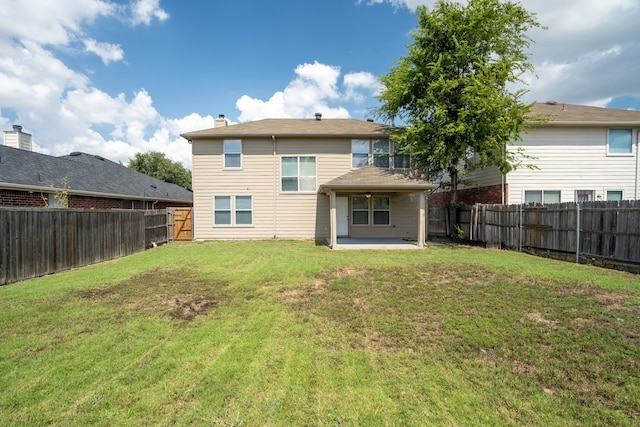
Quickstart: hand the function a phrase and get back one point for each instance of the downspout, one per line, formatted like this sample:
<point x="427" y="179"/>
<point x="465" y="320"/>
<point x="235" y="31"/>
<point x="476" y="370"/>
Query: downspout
<point x="275" y="188"/>
<point x="635" y="196"/>
<point x="503" y="179"/>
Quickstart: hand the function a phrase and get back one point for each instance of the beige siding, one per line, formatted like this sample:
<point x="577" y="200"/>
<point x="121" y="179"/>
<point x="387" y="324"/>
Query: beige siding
<point x="403" y="218"/>
<point x="570" y="159"/>
<point x="483" y="178"/>
<point x="277" y="214"/>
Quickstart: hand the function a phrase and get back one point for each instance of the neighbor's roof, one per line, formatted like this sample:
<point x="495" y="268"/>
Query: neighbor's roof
<point x="372" y="178"/>
<point x="569" y="114"/>
<point x="295" y="128"/>
<point x="87" y="175"/>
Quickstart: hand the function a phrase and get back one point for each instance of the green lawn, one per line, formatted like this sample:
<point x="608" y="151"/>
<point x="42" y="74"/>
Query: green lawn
<point x="290" y="333"/>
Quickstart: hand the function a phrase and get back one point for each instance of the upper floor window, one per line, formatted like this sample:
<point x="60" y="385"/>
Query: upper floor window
<point x="380" y="150"/>
<point x="232" y="149"/>
<point x="542" y="196"/>
<point x="377" y="152"/>
<point x="359" y="153"/>
<point x="298" y="174"/>
<point x="620" y="141"/>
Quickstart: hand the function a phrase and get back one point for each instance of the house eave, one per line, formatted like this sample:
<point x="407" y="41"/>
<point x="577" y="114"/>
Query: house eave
<point x="190" y="137"/>
<point x="34" y="188"/>
<point x="357" y="188"/>
<point x="588" y="123"/>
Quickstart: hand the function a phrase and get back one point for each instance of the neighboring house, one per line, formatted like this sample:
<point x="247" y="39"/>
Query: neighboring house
<point x="304" y="178"/>
<point x="33" y="179"/>
<point x="581" y="154"/>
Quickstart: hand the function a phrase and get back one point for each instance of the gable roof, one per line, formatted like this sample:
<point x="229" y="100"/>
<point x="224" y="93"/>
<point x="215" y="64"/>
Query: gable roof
<point x="295" y="128"/>
<point x="570" y="114"/>
<point x="372" y="178"/>
<point x="87" y="175"/>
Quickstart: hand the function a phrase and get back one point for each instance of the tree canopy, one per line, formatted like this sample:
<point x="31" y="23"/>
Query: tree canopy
<point x="450" y="89"/>
<point x="157" y="165"/>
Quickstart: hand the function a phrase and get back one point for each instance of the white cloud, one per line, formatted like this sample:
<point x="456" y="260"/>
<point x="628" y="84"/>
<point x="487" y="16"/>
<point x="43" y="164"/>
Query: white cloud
<point x="354" y="82"/>
<point x="106" y="51"/>
<point x="60" y="107"/>
<point x="49" y="22"/>
<point x="145" y="10"/>
<point x="588" y="54"/>
<point x="313" y="90"/>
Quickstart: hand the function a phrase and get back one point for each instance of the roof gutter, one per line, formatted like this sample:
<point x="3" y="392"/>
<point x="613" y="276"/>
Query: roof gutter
<point x="587" y="123"/>
<point x="33" y="188"/>
<point x="406" y="188"/>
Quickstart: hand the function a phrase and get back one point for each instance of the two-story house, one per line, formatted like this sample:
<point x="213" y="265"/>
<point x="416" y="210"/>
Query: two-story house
<point x="580" y="153"/>
<point x="316" y="179"/>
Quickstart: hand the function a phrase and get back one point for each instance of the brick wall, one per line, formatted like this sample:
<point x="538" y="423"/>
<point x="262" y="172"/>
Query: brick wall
<point x="487" y="195"/>
<point x="21" y="198"/>
<point x="88" y="202"/>
<point x="35" y="200"/>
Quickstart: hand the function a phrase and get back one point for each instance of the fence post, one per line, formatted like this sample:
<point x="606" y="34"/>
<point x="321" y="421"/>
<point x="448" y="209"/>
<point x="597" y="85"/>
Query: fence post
<point x="577" y="233"/>
<point x="520" y="215"/>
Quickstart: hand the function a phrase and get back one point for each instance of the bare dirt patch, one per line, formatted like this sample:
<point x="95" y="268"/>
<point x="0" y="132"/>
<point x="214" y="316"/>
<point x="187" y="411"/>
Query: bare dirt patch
<point x="180" y="293"/>
<point x="186" y="307"/>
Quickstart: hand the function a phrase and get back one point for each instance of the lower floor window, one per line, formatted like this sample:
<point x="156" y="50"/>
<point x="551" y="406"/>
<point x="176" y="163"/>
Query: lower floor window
<point x="370" y="210"/>
<point x="585" y="195"/>
<point x="614" y="195"/>
<point x="542" y="196"/>
<point x="232" y="210"/>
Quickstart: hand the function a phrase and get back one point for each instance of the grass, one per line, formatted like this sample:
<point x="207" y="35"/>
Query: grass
<point x="290" y="333"/>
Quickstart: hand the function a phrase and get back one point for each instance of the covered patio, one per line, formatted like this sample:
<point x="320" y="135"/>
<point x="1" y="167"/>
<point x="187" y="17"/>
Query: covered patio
<point x="371" y="181"/>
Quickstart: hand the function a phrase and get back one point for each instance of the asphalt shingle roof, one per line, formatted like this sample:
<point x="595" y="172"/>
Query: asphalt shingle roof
<point x="294" y="128"/>
<point x="87" y="174"/>
<point x="560" y="113"/>
<point x="372" y="178"/>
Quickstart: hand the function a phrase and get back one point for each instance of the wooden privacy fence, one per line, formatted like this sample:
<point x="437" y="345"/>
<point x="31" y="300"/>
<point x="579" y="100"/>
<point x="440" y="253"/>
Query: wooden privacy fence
<point x="36" y="242"/>
<point x="598" y="230"/>
<point x="156" y="231"/>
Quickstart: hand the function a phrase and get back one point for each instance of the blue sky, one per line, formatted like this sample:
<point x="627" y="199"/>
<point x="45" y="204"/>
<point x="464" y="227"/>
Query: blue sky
<point x="118" y="77"/>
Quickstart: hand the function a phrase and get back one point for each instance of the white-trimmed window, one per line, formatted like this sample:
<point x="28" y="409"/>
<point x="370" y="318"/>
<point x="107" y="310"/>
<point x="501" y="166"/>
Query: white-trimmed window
<point x="370" y="210"/>
<point x="620" y="141"/>
<point x="232" y="149"/>
<point x="359" y="153"/>
<point x="233" y="211"/>
<point x="377" y="152"/>
<point x="542" y="196"/>
<point x="381" y="211"/>
<point x="360" y="207"/>
<point x="380" y="151"/>
<point x="298" y="174"/>
<point x="585" y="195"/>
<point x="614" y="195"/>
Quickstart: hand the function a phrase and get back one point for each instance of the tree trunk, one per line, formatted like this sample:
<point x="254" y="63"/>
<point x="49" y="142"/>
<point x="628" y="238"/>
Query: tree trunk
<point x="453" y="202"/>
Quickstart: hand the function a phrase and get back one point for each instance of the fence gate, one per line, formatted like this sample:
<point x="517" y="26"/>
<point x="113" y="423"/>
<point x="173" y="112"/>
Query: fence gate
<point x="179" y="221"/>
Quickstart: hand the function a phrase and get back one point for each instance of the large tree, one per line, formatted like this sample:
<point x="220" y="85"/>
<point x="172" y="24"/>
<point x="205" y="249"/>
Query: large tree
<point x="157" y="165"/>
<point x="451" y="89"/>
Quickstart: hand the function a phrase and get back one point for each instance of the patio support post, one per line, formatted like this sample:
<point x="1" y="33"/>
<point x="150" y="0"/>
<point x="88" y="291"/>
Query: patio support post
<point x="422" y="219"/>
<point x="332" y="220"/>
